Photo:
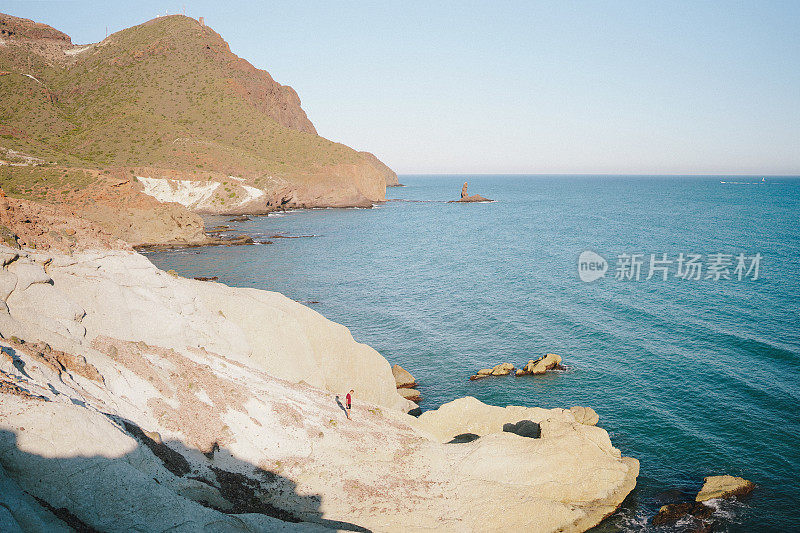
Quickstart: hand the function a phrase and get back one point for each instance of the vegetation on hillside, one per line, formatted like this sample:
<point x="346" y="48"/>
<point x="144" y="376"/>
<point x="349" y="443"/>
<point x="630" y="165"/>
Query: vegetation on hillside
<point x="165" y="94"/>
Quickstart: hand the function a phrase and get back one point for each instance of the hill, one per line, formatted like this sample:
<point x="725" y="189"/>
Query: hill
<point x="168" y="99"/>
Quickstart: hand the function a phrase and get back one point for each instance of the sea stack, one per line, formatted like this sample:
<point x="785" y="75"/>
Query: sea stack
<point x="465" y="197"/>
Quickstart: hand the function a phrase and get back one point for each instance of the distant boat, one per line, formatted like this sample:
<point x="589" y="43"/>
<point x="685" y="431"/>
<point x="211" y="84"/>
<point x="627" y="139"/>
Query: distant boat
<point x="763" y="180"/>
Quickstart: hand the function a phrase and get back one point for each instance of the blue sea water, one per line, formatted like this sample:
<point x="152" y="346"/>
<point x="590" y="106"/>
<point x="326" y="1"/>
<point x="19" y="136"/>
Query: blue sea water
<point x="691" y="377"/>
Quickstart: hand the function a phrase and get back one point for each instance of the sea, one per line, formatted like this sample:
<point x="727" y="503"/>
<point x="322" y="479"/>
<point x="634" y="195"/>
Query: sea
<point x="674" y="302"/>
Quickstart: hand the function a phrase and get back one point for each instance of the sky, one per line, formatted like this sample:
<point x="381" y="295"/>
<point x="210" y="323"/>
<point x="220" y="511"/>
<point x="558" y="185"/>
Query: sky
<point x="570" y="87"/>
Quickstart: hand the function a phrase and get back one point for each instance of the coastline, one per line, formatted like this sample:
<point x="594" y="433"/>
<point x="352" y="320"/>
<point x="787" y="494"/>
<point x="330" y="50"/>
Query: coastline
<point x="164" y="347"/>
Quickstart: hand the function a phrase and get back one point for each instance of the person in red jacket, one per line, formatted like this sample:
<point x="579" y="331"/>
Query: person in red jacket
<point x="348" y="401"/>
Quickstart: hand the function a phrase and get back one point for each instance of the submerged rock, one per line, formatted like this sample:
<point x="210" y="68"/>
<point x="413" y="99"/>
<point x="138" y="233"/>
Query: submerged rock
<point x="672" y="513"/>
<point x="724" y="487"/>
<point x="585" y="415"/>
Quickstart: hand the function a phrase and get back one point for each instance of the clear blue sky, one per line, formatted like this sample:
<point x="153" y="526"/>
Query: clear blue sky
<point x="517" y="87"/>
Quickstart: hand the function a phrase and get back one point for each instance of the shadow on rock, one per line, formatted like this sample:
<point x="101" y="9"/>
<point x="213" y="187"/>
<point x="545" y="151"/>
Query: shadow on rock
<point x="133" y="491"/>
<point x="464" y="438"/>
<point x="524" y="428"/>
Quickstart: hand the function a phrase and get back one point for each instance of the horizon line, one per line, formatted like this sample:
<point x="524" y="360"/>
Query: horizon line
<point x="595" y="174"/>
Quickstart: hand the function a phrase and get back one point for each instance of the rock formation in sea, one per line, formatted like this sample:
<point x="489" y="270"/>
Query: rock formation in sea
<point x="541" y="365"/>
<point x="698" y="515"/>
<point x="724" y="487"/>
<point x="134" y="399"/>
<point x="501" y="369"/>
<point x="466" y="198"/>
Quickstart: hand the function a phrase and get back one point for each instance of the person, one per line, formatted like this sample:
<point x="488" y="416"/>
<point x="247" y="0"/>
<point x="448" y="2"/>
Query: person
<point x="348" y="401"/>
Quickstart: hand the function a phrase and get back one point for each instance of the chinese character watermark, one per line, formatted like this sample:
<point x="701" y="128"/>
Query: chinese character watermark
<point x="685" y="266"/>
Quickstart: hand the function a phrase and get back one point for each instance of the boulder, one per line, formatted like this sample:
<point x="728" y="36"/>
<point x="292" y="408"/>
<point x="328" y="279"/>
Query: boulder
<point x="541" y="365"/>
<point x="503" y="369"/>
<point x="724" y="487"/>
<point x="410" y="394"/>
<point x="585" y="415"/>
<point x="402" y="378"/>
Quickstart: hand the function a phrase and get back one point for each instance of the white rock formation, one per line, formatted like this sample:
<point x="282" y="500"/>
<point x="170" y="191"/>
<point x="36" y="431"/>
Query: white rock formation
<point x="189" y="413"/>
<point x="200" y="195"/>
<point x="68" y="301"/>
<point x="189" y="193"/>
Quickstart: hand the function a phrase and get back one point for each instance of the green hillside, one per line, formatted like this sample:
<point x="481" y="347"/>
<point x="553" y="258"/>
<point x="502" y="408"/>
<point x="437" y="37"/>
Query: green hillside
<point x="165" y="94"/>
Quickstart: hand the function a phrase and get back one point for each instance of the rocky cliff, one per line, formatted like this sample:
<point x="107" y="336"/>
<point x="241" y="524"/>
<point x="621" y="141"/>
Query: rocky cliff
<point x="388" y="174"/>
<point x="132" y="399"/>
<point x="169" y="100"/>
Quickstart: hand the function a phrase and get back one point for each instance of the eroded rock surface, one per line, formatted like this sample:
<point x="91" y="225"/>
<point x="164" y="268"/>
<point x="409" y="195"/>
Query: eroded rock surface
<point x="173" y="403"/>
<point x="541" y="365"/>
<point x="403" y="378"/>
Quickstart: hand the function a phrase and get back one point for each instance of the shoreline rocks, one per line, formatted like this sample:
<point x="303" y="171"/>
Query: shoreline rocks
<point x="700" y="513"/>
<point x="406" y="384"/>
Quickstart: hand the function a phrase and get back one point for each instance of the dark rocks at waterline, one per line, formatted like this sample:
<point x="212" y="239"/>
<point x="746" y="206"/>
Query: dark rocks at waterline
<point x="239" y="240"/>
<point x="241" y="218"/>
<point x="697" y="512"/>
<point x="201" y="278"/>
<point x="217" y="229"/>
<point x="674" y="512"/>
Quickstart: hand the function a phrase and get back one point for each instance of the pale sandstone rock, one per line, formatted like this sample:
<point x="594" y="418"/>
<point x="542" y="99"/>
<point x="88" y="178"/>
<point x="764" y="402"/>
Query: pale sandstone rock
<point x="724" y="487"/>
<point x="410" y="394"/>
<point x="92" y="295"/>
<point x="195" y="365"/>
<point x="20" y="512"/>
<point x="484" y="372"/>
<point x="403" y="378"/>
<point x="541" y="365"/>
<point x="585" y="415"/>
<point x="28" y="273"/>
<point x="503" y="369"/>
